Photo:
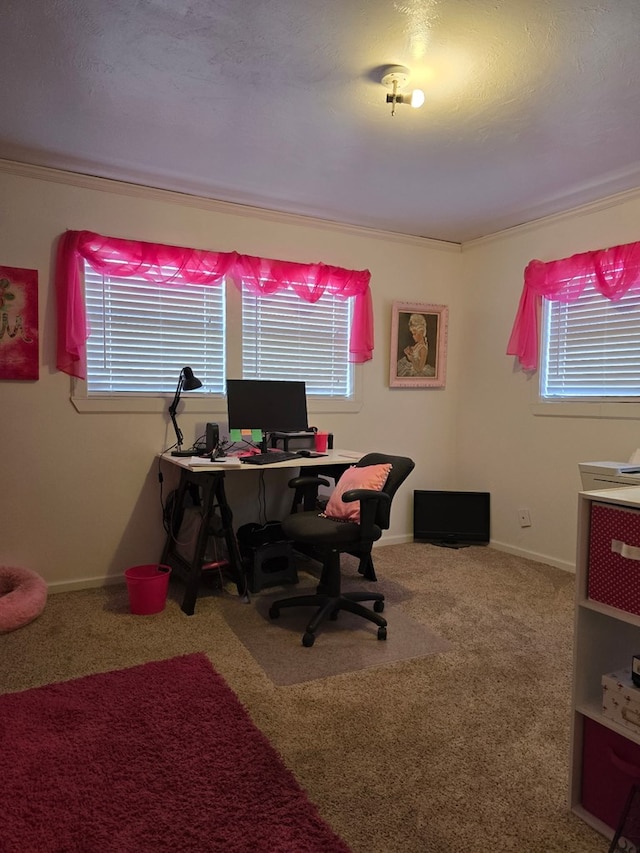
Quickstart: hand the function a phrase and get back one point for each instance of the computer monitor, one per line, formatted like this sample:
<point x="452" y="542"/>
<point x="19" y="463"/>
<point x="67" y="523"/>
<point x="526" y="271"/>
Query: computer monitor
<point x="270" y="405"/>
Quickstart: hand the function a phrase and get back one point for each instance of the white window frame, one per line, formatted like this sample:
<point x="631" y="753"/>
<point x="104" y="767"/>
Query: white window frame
<point x="209" y="404"/>
<point x="585" y="405"/>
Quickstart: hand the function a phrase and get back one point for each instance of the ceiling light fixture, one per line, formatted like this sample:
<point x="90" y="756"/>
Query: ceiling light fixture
<point x="396" y="77"/>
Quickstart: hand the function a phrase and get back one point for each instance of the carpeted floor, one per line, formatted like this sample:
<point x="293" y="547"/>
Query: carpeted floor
<point x="462" y="750"/>
<point x="130" y="761"/>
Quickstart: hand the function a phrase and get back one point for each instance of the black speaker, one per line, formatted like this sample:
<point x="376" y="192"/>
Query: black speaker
<point x="212" y="438"/>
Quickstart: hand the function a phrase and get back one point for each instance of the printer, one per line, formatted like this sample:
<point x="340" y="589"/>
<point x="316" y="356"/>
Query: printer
<point x="608" y="475"/>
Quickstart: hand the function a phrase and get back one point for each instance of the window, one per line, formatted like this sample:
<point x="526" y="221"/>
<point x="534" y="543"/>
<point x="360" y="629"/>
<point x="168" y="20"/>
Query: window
<point x="142" y="334"/>
<point x="591" y="347"/>
<point x="284" y="337"/>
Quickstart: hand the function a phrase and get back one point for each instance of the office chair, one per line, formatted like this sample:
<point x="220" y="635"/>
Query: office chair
<point x="327" y="538"/>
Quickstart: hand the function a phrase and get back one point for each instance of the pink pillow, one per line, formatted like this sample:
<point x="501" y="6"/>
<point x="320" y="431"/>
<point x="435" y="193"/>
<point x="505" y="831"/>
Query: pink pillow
<point x="369" y="477"/>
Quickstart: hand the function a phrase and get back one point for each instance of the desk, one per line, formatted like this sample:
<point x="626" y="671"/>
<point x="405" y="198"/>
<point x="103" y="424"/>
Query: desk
<point x="204" y="485"/>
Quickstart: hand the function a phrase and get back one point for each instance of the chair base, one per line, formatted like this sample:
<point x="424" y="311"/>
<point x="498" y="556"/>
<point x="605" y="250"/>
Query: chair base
<point x="330" y="605"/>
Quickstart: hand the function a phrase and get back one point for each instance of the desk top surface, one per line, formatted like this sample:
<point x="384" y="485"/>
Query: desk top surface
<point x="233" y="463"/>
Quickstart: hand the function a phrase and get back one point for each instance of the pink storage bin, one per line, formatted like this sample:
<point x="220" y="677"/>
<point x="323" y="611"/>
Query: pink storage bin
<point x="614" y="557"/>
<point x="610" y="766"/>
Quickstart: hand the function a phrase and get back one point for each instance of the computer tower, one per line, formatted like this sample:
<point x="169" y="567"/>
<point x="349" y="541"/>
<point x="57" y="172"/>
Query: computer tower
<point x="212" y="438"/>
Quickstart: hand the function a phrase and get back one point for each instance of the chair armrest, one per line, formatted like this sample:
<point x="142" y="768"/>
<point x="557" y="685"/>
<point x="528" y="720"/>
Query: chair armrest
<point x="309" y="480"/>
<point x="370" y="500"/>
<point x="306" y="495"/>
<point x="365" y="495"/>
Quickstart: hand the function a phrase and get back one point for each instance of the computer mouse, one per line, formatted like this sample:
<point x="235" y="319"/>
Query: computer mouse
<point x="304" y="453"/>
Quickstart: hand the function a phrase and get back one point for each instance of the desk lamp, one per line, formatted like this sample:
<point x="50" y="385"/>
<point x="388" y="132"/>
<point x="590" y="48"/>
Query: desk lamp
<point x="186" y="382"/>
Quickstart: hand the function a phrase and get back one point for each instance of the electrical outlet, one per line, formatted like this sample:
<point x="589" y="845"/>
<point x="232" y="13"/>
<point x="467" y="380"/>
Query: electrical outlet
<point x="524" y="518"/>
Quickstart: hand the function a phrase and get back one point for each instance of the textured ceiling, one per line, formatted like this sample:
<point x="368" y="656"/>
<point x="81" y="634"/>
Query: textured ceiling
<point x="531" y="105"/>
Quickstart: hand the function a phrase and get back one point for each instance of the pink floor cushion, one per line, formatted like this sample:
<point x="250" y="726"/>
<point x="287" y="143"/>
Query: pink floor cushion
<point x="23" y="595"/>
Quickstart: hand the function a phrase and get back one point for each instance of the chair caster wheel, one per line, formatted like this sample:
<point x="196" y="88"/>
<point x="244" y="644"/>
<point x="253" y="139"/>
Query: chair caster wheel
<point x="382" y="633"/>
<point x="274" y="612"/>
<point x="308" y="639"/>
<point x="378" y="606"/>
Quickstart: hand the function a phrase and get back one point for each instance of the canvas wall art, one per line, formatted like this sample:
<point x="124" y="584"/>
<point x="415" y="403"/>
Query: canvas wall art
<point x="19" y="352"/>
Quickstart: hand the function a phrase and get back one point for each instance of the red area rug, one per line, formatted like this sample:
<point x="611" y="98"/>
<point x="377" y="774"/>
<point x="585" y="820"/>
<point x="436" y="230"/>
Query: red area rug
<point x="159" y="757"/>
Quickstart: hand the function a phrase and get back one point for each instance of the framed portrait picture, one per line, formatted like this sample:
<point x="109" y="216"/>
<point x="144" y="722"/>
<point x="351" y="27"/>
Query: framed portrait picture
<point x="418" y="345"/>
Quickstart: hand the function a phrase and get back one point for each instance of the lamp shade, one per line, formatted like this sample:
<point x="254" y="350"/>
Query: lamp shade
<point x="189" y="381"/>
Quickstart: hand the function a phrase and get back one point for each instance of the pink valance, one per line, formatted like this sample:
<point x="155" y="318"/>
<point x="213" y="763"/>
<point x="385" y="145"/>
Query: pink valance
<point x="612" y="271"/>
<point x="177" y="266"/>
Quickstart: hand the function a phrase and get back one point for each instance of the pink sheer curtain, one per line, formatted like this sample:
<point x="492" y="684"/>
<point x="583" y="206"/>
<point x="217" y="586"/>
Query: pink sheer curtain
<point x="310" y="281"/>
<point x="612" y="271"/>
<point x="177" y="266"/>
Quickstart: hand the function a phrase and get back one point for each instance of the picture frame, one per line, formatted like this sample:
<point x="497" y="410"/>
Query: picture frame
<point x="19" y="345"/>
<point x="418" y="345"/>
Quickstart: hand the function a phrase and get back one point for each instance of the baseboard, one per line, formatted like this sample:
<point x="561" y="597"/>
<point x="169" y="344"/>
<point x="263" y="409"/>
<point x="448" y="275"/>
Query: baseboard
<point x="398" y="539"/>
<point x="565" y="565"/>
<point x="85" y="583"/>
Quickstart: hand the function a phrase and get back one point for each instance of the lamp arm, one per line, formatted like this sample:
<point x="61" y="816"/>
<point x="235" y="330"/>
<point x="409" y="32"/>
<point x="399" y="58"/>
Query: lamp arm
<point x="172" y="412"/>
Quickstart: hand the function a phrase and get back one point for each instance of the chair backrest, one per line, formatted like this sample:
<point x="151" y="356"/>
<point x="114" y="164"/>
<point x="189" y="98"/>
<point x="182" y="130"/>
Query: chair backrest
<point x="401" y="467"/>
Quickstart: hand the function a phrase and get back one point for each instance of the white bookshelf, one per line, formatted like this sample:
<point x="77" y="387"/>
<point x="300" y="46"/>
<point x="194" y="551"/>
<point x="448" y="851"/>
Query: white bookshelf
<point x="605" y="639"/>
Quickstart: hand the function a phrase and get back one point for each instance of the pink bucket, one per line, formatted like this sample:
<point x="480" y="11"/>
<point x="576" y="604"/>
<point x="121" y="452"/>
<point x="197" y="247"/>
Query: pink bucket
<point x="147" y="587"/>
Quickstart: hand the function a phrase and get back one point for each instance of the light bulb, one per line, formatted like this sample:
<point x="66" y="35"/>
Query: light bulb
<point x="417" y="98"/>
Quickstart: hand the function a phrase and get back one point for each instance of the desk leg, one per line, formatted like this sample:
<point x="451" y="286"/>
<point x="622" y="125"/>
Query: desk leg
<point x="235" y="560"/>
<point x="211" y="487"/>
<point x="194" y="573"/>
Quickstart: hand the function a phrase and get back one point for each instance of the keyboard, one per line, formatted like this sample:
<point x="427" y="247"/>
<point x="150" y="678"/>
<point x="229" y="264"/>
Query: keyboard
<point x="269" y="458"/>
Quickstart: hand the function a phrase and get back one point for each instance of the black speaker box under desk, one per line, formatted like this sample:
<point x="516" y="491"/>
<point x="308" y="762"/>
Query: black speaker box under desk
<point x="271" y="565"/>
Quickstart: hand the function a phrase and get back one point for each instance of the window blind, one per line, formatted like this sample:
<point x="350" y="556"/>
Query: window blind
<point x="591" y="347"/>
<point x="142" y="335"/>
<point x="284" y="337"/>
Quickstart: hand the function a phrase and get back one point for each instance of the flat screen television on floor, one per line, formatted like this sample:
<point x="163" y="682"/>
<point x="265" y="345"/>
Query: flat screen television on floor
<point x="452" y="519"/>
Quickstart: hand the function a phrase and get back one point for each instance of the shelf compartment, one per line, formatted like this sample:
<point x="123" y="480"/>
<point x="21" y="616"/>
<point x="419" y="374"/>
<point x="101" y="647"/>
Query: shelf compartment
<point x="603" y="644"/>
<point x="610" y="766"/>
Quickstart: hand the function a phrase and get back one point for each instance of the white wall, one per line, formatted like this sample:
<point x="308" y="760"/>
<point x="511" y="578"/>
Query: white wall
<point x="527" y="460"/>
<point x="80" y="496"/>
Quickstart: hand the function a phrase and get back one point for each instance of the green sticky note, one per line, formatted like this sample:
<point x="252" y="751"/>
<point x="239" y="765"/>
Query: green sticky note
<point x="235" y="435"/>
<point x="256" y="435"/>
